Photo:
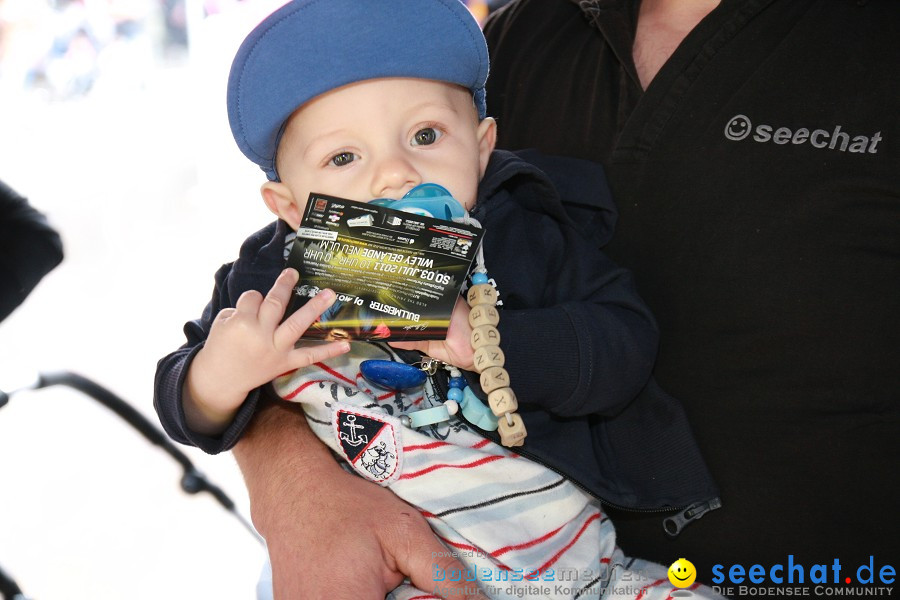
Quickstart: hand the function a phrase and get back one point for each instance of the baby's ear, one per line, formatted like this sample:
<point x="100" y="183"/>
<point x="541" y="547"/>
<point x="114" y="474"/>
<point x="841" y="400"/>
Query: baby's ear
<point x="280" y="200"/>
<point x="487" y="139"/>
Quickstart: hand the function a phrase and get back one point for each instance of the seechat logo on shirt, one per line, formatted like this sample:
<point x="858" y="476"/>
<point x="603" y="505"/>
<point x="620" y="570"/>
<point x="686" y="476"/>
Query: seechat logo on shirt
<point x="792" y="578"/>
<point x="739" y="128"/>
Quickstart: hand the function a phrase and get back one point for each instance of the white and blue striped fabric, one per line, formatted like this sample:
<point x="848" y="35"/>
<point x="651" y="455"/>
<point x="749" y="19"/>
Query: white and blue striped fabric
<point x="520" y="529"/>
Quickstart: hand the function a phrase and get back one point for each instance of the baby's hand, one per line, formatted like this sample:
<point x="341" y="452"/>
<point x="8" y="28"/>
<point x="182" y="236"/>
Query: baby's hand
<point x="456" y="350"/>
<point x="247" y="348"/>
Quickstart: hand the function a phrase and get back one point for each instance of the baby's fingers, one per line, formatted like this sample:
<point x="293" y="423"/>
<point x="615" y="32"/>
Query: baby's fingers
<point x="296" y="325"/>
<point x="248" y="303"/>
<point x="272" y="308"/>
<point x="316" y="352"/>
<point x="225" y="314"/>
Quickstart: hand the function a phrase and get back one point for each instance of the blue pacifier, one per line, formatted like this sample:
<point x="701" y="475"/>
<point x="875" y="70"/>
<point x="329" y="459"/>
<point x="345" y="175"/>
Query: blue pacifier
<point x="427" y="200"/>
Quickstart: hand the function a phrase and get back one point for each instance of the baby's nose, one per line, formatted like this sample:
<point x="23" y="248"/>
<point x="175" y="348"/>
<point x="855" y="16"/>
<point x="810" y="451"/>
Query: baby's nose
<point x="393" y="177"/>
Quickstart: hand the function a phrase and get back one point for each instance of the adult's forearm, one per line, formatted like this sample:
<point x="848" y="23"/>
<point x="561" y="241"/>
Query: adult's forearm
<point x="277" y="454"/>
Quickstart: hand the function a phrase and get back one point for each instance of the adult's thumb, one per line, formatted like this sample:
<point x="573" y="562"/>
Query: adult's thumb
<point x="435" y="569"/>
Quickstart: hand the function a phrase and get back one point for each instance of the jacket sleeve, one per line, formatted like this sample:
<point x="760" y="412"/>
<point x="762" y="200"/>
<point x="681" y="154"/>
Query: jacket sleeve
<point x="578" y="339"/>
<point x="172" y="369"/>
<point x="29" y="249"/>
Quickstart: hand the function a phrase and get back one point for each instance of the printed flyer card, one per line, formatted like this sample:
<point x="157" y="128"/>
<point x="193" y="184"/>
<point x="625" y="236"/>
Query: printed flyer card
<point x="397" y="275"/>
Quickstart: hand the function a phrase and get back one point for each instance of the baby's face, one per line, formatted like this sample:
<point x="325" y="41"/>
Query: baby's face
<point x="382" y="137"/>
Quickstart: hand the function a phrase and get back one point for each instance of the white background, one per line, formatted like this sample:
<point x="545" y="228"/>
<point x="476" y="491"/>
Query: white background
<point x="151" y="195"/>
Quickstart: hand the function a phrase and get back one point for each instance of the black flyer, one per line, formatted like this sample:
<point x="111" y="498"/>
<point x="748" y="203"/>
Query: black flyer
<point x="397" y="275"/>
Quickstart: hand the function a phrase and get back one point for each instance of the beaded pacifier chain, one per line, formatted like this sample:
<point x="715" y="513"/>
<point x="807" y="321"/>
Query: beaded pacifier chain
<point x="489" y="359"/>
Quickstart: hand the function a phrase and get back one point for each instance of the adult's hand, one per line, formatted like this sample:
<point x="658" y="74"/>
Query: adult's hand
<point x="331" y="534"/>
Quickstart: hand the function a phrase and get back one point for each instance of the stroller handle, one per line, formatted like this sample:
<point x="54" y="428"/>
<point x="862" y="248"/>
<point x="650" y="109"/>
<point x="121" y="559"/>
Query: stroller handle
<point x="193" y="481"/>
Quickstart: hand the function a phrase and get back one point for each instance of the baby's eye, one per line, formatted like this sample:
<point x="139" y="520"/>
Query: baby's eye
<point x="426" y="136"/>
<point x="342" y="159"/>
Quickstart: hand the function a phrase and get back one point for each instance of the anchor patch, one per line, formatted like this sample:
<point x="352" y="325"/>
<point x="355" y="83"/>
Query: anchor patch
<point x="369" y="443"/>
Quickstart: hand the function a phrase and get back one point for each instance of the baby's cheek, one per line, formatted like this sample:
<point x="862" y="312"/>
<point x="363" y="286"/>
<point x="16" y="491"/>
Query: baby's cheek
<point x="468" y="198"/>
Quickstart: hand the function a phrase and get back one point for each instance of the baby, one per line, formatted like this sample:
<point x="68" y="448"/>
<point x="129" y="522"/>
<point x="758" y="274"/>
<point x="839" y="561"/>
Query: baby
<point x="369" y="99"/>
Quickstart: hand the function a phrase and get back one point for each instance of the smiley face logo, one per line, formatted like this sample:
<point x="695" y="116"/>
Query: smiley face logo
<point x="682" y="573"/>
<point x="737" y="128"/>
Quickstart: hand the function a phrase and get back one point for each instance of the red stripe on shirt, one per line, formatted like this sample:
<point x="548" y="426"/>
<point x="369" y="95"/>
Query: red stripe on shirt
<point x="529" y="544"/>
<point x="471" y="548"/>
<point x="334" y="373"/>
<point x="556" y="556"/>
<point x="459" y="545"/>
<point x="647" y="587"/>
<point x="471" y="465"/>
<point x="505" y="549"/>
<point x="296" y="392"/>
<point x="438" y="444"/>
<point x="430" y="446"/>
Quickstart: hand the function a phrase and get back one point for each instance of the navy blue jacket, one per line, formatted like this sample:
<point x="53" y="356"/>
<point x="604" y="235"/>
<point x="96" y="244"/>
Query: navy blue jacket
<point x="579" y="342"/>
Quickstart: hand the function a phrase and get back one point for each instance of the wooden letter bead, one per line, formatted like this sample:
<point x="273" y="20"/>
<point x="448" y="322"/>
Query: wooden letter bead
<point x="483" y="314"/>
<point x="503" y="401"/>
<point x="483" y="293"/>
<point x="486" y="335"/>
<point x="494" y="378"/>
<point x="488" y="356"/>
<point x="511" y="435"/>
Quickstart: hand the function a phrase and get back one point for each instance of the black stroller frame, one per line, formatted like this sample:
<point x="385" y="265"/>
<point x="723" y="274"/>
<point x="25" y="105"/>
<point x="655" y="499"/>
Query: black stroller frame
<point x="192" y="480"/>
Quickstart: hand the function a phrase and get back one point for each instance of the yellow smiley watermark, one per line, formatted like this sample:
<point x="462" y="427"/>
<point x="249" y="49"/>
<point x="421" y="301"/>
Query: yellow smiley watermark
<point x="682" y="573"/>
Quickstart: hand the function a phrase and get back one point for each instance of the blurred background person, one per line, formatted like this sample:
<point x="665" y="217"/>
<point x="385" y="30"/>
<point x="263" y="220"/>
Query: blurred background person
<point x="29" y="249"/>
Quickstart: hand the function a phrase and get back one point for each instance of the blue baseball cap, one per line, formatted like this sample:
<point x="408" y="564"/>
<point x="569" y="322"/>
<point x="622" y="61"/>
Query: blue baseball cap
<point x="309" y="47"/>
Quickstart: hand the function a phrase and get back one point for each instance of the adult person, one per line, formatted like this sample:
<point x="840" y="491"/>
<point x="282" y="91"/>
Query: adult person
<point x="763" y="418"/>
<point x="753" y="149"/>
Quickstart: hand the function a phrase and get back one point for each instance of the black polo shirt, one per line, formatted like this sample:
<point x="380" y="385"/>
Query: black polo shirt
<point x="758" y="186"/>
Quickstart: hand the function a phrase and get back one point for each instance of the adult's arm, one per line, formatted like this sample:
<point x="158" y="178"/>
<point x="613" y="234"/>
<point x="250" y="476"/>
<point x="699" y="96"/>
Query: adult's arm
<point x="29" y="249"/>
<point x="331" y="534"/>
